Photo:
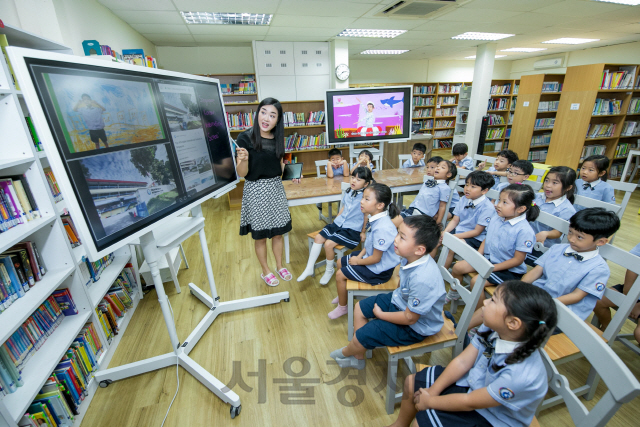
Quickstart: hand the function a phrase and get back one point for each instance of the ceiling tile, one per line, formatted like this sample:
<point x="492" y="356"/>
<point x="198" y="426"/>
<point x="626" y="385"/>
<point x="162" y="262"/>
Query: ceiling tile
<point x="386" y="23"/>
<point x="149" y="17"/>
<point x="201" y="38"/>
<point x="477" y="15"/>
<point x="294" y="39"/>
<point x="580" y="8"/>
<point x="323" y="8"/>
<point x="403" y="44"/>
<point x="235" y="6"/>
<point x="628" y="14"/>
<point x="175" y="38"/>
<point x="426" y="35"/>
<point x="175" y="44"/>
<point x="307" y="32"/>
<point x="165" y="28"/>
<point x="533" y="18"/>
<point x="511" y="5"/>
<point x="629" y="28"/>
<point x="138" y="4"/>
<point x="303" y="21"/>
<point x="231" y="30"/>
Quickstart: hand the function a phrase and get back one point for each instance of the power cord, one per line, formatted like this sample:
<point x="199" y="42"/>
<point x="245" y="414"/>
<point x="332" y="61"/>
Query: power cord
<point x="177" y="373"/>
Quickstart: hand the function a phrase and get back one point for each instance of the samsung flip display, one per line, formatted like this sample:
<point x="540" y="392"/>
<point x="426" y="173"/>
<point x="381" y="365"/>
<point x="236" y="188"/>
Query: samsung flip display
<point x="132" y="144"/>
<point x="368" y="114"/>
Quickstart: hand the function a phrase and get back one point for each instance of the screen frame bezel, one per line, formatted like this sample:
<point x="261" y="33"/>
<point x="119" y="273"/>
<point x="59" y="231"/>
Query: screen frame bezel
<point x="38" y="116"/>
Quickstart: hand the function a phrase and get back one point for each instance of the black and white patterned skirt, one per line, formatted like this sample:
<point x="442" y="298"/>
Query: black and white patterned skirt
<point x="265" y="212"/>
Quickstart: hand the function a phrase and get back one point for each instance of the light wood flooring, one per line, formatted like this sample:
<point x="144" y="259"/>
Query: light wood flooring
<point x="281" y="334"/>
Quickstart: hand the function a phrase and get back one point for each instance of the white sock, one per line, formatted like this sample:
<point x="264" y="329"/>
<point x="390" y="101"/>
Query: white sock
<point x="314" y="253"/>
<point x="328" y="273"/>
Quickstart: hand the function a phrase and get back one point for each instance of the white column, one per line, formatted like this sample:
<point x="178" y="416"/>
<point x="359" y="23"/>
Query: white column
<point x="482" y="73"/>
<point x="339" y="52"/>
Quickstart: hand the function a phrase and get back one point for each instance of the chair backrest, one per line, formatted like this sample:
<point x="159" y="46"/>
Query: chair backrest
<point x="628" y="189"/>
<point x="462" y="178"/>
<point x="471" y="298"/>
<point x="344" y="186"/>
<point x="403" y="158"/>
<point x="354" y="153"/>
<point x="554" y="222"/>
<point x="593" y="203"/>
<point x="493" y="194"/>
<point x="538" y="175"/>
<point x="620" y="381"/>
<point x="319" y="165"/>
<point x="487" y="159"/>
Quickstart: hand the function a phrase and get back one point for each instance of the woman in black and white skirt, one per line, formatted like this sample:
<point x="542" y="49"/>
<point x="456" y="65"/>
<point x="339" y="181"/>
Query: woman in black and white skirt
<point x="265" y="212"/>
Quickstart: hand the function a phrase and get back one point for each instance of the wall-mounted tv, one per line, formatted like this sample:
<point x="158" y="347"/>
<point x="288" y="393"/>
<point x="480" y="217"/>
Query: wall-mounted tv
<point x="368" y="114"/>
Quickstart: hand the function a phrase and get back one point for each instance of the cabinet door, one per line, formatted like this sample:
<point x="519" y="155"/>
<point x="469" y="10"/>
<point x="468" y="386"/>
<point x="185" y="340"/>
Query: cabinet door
<point x="311" y="59"/>
<point x="274" y="58"/>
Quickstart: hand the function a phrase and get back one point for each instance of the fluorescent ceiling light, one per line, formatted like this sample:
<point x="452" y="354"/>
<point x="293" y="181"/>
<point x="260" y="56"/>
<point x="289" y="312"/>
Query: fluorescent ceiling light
<point x="226" y="18"/>
<point x="482" y="36"/>
<point x="382" y="52"/>
<point x="357" y="32"/>
<point x="474" y="57"/>
<point x="570" y="40"/>
<point x="524" y="49"/>
<point x="627" y="2"/>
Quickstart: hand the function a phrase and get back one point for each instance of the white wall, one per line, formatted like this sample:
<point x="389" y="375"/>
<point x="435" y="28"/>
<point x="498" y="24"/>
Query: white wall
<point x="206" y="60"/>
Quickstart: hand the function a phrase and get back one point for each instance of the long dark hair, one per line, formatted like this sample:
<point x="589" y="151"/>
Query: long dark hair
<point x="567" y="177"/>
<point x="523" y="195"/>
<point x="278" y="130"/>
<point x="383" y="194"/>
<point x="535" y="309"/>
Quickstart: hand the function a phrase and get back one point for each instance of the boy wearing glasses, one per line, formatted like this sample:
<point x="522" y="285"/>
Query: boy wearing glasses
<point x="517" y="173"/>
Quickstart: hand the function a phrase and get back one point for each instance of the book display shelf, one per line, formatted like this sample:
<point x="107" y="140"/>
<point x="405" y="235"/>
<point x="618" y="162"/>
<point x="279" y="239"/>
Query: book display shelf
<point x="462" y="114"/>
<point x="64" y="265"/>
<point x="499" y="108"/>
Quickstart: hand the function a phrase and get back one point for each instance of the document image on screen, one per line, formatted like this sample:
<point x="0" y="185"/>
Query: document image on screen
<point x="129" y="185"/>
<point x="373" y="114"/>
<point x="97" y="112"/>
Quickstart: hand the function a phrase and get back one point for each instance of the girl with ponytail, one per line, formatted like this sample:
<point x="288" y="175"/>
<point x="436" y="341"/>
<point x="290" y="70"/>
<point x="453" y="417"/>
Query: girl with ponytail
<point x="498" y="380"/>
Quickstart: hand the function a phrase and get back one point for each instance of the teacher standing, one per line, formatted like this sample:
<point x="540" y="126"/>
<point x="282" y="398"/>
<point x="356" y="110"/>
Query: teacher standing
<point x="265" y="212"/>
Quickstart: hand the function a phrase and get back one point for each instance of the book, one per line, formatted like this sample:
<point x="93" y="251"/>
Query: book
<point x="65" y="301"/>
<point x="34" y="134"/>
<point x="3" y="45"/>
<point x="134" y="56"/>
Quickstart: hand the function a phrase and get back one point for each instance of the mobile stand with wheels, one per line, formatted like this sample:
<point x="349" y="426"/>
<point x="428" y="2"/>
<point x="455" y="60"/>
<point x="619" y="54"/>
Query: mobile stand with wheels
<point x="154" y="246"/>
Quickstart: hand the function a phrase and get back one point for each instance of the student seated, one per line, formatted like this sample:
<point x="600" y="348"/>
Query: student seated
<point x="498" y="380"/>
<point x="593" y="180"/>
<point x="603" y="307"/>
<point x="433" y="195"/>
<point x="345" y="229"/>
<point x="557" y="200"/>
<point x="509" y="238"/>
<point x="518" y="173"/>
<point x="417" y="156"/>
<point x="374" y="264"/>
<point x="365" y="158"/>
<point x="337" y="165"/>
<point x="503" y="162"/>
<point x="460" y="156"/>
<point x="410" y="313"/>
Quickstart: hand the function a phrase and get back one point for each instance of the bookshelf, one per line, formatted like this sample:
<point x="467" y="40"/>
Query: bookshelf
<point x="499" y="106"/>
<point x="585" y="106"/>
<point x="62" y="262"/>
<point x="535" y="115"/>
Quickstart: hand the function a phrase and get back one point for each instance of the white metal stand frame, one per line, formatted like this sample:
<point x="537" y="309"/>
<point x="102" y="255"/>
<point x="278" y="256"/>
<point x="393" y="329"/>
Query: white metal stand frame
<point x="154" y="248"/>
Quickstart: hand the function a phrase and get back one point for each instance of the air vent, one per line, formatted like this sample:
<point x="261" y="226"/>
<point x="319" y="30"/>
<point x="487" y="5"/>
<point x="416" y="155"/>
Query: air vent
<point x="283" y="65"/>
<point x="418" y="8"/>
<point x="267" y="52"/>
<point x="318" y="52"/>
<point x="283" y="52"/>
<point x="267" y="65"/>
<point x="304" y="52"/>
<point x="305" y="65"/>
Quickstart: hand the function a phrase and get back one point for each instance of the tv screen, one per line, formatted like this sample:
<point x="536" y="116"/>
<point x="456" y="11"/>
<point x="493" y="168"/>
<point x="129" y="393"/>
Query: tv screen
<point x="368" y="114"/>
<point x="136" y="146"/>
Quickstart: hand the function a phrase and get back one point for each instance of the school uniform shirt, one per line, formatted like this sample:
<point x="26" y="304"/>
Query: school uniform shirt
<point x="473" y="213"/>
<point x="598" y="190"/>
<point x="409" y="164"/>
<point x="562" y="274"/>
<point x="351" y="216"/>
<point x="373" y="169"/>
<point x="381" y="237"/>
<point x="518" y="387"/>
<point x="504" y="238"/>
<point x="501" y="186"/>
<point x="562" y="208"/>
<point x="428" y="199"/>
<point x="422" y="291"/>
<point x="339" y="170"/>
<point x="496" y="178"/>
<point x="467" y="163"/>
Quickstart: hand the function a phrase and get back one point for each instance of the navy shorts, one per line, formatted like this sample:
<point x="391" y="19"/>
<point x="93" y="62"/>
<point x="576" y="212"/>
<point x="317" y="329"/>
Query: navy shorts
<point x="497" y="277"/>
<point x="471" y="241"/>
<point x="380" y="333"/>
<point x="361" y="273"/>
<point x="531" y="258"/>
<point x="343" y="236"/>
<point x="95" y="135"/>
<point x="435" y="418"/>
<point x="410" y="212"/>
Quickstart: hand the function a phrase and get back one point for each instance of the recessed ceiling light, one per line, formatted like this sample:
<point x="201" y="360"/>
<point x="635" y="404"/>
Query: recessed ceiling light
<point x="570" y="40"/>
<point x="482" y="36"/>
<point x="524" y="49"/>
<point x="358" y="32"/>
<point x="474" y="57"/>
<point x="382" y="52"/>
<point x="627" y="2"/>
<point x="226" y="18"/>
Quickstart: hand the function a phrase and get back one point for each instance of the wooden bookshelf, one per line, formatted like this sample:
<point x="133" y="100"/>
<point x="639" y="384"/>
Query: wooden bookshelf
<point x="234" y="79"/>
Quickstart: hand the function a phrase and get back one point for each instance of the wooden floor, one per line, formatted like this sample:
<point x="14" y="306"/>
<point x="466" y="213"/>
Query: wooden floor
<point x="296" y="336"/>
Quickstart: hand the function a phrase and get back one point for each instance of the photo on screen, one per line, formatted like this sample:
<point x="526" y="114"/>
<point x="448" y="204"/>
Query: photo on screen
<point x="129" y="185"/>
<point x="181" y="108"/>
<point x="96" y="112"/>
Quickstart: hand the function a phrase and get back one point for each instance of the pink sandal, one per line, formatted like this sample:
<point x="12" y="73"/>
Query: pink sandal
<point x="284" y="274"/>
<point x="270" y="279"/>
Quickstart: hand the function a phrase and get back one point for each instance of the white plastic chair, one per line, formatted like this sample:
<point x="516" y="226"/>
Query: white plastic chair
<point x="319" y="165"/>
<point x="374" y="152"/>
<point x="628" y="189"/>
<point x="487" y="159"/>
<point x="402" y="158"/>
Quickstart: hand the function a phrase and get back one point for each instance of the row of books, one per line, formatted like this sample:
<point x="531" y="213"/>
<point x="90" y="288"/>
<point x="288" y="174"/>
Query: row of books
<point x="247" y="87"/>
<point x="498" y="104"/>
<point x="616" y="170"/>
<point x="90" y="271"/>
<point x="544" y="139"/>
<point x="115" y="303"/>
<point x="239" y="121"/>
<point x="501" y="89"/>
<point x="292" y="119"/>
<point x="449" y="88"/>
<point x="630" y="129"/>
<point x="72" y="232"/>
<point x="443" y="133"/>
<point x="444" y="123"/>
<point x="516" y="88"/>
<point x="442" y="143"/>
<point x="607" y="106"/>
<point x="34" y="134"/>
<point x="20" y="268"/>
<point x="25" y="342"/>
<point x="514" y="102"/>
<point x="546" y="106"/>
<point x="423" y="112"/>
<point x="544" y="123"/>
<point x="510" y="118"/>
<point x="58" y="401"/>
<point x="446" y="100"/>
<point x="621" y="79"/>
<point x="315" y="118"/>
<point x="622" y="150"/>
<point x="551" y="87"/>
<point x="634" y="106"/>
<point x="538" y="156"/>
<point x="495" y="133"/>
<point x="423" y="101"/>
<point x="495" y="119"/>
<point x="601" y="130"/>
<point x="443" y="112"/>
<point x="425" y="90"/>
<point x="425" y="124"/>
<point x="592" y="150"/>
<point x="508" y="133"/>
<point x="492" y="146"/>
<point x="17" y="204"/>
<point x="53" y="184"/>
<point x="305" y="142"/>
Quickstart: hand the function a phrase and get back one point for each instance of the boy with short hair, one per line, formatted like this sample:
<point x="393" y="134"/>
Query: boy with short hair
<point x="460" y="158"/>
<point x="504" y="160"/>
<point x="517" y="173"/>
<point x="574" y="272"/>
<point x="417" y="156"/>
<point x="410" y="313"/>
<point x="336" y="165"/>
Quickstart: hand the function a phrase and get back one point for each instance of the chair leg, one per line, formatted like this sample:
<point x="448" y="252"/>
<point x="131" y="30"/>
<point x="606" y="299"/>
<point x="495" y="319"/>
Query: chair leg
<point x="592" y="381"/>
<point x="410" y="364"/>
<point x="350" y="315"/>
<point x="392" y="376"/>
<point x="174" y="276"/>
<point x="184" y="257"/>
<point x="330" y="217"/>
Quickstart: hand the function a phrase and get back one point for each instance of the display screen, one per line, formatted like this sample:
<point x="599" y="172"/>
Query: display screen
<point x="136" y="146"/>
<point x="371" y="114"/>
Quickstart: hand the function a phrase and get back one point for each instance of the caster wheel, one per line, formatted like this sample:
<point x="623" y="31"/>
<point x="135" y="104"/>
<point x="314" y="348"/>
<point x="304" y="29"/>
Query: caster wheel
<point x="105" y="383"/>
<point x="235" y="411"/>
<point x="286" y="300"/>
